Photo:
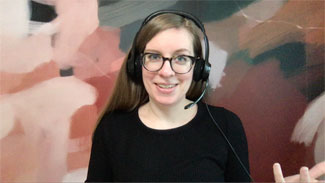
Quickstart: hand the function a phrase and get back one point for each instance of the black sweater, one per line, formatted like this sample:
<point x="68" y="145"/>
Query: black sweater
<point x="124" y="149"/>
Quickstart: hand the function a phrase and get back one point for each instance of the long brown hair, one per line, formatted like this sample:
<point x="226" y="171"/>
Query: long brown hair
<point x="127" y="94"/>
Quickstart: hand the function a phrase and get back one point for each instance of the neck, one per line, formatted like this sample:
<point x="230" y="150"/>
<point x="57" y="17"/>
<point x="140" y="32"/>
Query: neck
<point x="166" y="116"/>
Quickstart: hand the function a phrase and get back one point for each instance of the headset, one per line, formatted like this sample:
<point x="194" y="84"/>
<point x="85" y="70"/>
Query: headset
<point x="202" y="66"/>
<point x="201" y="69"/>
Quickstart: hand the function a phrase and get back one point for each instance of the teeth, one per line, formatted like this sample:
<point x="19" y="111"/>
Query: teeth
<point x="166" y="86"/>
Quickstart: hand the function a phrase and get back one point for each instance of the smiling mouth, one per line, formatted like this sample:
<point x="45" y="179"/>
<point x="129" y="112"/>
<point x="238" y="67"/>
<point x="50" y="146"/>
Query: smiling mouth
<point x="166" y="86"/>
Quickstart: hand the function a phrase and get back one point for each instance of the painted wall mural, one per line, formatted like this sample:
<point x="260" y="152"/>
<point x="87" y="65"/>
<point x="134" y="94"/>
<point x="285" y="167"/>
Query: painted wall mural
<point x="59" y="61"/>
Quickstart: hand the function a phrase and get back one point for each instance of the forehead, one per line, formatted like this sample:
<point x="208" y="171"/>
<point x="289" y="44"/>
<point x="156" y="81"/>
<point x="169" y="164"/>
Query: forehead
<point x="171" y="40"/>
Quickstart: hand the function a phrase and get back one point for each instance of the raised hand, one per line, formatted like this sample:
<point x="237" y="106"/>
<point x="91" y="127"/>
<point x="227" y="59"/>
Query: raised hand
<point x="305" y="175"/>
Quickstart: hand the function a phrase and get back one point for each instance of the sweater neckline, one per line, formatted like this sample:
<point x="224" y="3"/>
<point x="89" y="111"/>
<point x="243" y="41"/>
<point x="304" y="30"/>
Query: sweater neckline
<point x="178" y="129"/>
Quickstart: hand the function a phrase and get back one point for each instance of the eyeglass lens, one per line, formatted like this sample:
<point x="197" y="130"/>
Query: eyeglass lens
<point x="180" y="63"/>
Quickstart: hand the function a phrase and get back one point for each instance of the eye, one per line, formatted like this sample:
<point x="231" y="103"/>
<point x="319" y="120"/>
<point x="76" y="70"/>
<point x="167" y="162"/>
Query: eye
<point x="153" y="57"/>
<point x="181" y="59"/>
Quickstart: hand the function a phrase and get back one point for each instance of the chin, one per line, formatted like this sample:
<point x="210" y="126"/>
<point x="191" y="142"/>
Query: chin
<point x="168" y="101"/>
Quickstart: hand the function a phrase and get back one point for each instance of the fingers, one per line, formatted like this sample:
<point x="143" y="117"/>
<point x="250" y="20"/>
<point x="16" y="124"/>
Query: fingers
<point x="318" y="170"/>
<point x="304" y="175"/>
<point x="278" y="176"/>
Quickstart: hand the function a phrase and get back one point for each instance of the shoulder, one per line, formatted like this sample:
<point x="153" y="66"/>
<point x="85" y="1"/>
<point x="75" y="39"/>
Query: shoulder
<point x="217" y="109"/>
<point x="114" y="122"/>
<point x="225" y="117"/>
<point x="116" y="118"/>
<point x="220" y="112"/>
<point x="115" y="115"/>
<point x="230" y="124"/>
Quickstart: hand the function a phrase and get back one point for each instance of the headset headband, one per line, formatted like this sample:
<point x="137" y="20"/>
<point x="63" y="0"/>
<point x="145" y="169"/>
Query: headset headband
<point x="183" y="14"/>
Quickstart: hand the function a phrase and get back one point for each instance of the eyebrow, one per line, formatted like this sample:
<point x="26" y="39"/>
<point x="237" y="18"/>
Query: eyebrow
<point x="177" y="51"/>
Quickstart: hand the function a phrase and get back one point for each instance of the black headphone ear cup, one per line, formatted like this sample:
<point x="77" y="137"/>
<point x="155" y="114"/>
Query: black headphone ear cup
<point x="198" y="67"/>
<point x="138" y="69"/>
<point x="206" y="71"/>
<point x="133" y="66"/>
<point x="201" y="70"/>
<point x="130" y="65"/>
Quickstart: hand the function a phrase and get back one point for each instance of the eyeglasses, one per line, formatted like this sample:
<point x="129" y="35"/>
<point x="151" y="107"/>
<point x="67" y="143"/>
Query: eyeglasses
<point x="180" y="64"/>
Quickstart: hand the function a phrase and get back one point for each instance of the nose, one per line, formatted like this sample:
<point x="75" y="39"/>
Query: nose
<point x="166" y="70"/>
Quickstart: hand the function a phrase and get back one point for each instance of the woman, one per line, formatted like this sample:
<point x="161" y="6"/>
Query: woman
<point x="149" y="132"/>
<point x="146" y="134"/>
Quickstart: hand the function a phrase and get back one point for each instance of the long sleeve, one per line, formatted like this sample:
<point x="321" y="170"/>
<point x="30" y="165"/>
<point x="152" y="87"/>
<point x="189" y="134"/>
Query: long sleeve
<point x="125" y="150"/>
<point x="99" y="169"/>
<point x="235" y="171"/>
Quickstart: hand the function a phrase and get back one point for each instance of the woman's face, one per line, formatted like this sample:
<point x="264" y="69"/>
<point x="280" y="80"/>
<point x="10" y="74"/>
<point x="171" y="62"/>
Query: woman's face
<point x="165" y="87"/>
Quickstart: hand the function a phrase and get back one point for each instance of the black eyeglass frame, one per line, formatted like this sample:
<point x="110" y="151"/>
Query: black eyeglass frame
<point x="193" y="60"/>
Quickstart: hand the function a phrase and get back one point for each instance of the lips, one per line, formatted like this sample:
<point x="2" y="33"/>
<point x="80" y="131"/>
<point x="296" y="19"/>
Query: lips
<point x="166" y="88"/>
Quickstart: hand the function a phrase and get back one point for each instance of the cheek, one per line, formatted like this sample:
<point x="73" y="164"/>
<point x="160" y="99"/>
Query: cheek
<point x="147" y="77"/>
<point x="188" y="77"/>
<point x="187" y="80"/>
